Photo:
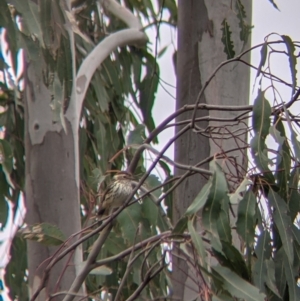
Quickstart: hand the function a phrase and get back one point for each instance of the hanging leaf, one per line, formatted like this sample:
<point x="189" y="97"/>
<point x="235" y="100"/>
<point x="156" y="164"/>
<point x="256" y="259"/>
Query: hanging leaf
<point x="294" y="195"/>
<point x="274" y="4"/>
<point x="11" y="35"/>
<point x="283" y="160"/>
<point x="212" y="208"/>
<point x="224" y="228"/>
<point x="237" y="286"/>
<point x="226" y="40"/>
<point x="151" y="182"/>
<point x="6" y="160"/>
<point x="200" y="199"/>
<point x="115" y="243"/>
<point x="270" y="277"/>
<point x="47" y="234"/>
<point x="150" y="211"/>
<point x="16" y="272"/>
<point x="296" y="143"/>
<point x="137" y="135"/>
<point x="102" y="270"/>
<point x="245" y="29"/>
<point x="283" y="223"/>
<point x="263" y="58"/>
<point x="129" y="220"/>
<point x="291" y="274"/>
<point x="30" y="14"/>
<point x="198" y="243"/>
<point x="232" y="259"/>
<point x="292" y="60"/>
<point x="263" y="252"/>
<point x="280" y="272"/>
<point x="245" y="224"/>
<point x="180" y="226"/>
<point x="148" y="89"/>
<point x="4" y="210"/>
<point x="261" y="125"/>
<point x="101" y="93"/>
<point x="261" y="115"/>
<point x="46" y="22"/>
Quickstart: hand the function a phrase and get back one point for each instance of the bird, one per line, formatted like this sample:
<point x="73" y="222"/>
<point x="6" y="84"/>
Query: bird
<point x="116" y="193"/>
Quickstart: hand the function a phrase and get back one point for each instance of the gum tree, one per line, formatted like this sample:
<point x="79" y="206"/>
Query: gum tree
<point x="128" y="255"/>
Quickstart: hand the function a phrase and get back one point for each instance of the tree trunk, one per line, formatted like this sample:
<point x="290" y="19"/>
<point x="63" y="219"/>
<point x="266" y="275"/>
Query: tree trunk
<point x="200" y="51"/>
<point x="189" y="148"/>
<point x="52" y="187"/>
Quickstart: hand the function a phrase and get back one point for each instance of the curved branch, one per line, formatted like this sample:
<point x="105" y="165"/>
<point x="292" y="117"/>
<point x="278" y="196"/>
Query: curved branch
<point x="185" y="108"/>
<point x="93" y="61"/>
<point x="174" y="163"/>
<point x="122" y="13"/>
<point x="131" y="36"/>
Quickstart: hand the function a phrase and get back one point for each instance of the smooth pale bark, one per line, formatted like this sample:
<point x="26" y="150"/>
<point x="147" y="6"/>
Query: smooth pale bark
<point x="200" y="51"/>
<point x="189" y="148"/>
<point x="52" y="192"/>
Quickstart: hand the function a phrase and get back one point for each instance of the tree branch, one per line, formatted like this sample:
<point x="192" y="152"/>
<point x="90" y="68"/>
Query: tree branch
<point x="133" y="35"/>
<point x="90" y="260"/>
<point x="122" y="13"/>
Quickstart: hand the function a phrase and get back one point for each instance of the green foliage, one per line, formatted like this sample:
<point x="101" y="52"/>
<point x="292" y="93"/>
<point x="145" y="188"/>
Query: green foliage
<point x="238" y="287"/>
<point x="245" y="28"/>
<point x="245" y="225"/>
<point x="226" y="40"/>
<point x="261" y="124"/>
<point x="263" y="58"/>
<point x="136" y="252"/>
<point x="15" y="274"/>
<point x="212" y="209"/>
<point x="292" y="60"/>
<point x="44" y="233"/>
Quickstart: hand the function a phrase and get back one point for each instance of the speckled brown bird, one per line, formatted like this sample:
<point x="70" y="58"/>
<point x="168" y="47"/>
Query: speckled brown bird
<point x="116" y="193"/>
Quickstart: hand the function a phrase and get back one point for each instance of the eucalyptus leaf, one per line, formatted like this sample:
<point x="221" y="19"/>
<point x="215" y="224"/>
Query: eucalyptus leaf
<point x="137" y="135"/>
<point x="291" y="274"/>
<point x="263" y="58"/>
<point x="102" y="270"/>
<point x="283" y="223"/>
<point x="200" y="199"/>
<point x="245" y="224"/>
<point x="198" y="243"/>
<point x="227" y="40"/>
<point x="263" y="252"/>
<point x="294" y="195"/>
<point x="180" y="226"/>
<point x="270" y="277"/>
<point x="129" y="220"/>
<point x="237" y="286"/>
<point x="4" y="211"/>
<point x="292" y="60"/>
<point x="44" y="233"/>
<point x="212" y="208"/>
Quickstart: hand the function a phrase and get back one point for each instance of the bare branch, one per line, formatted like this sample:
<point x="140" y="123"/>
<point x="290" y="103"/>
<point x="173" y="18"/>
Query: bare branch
<point x="122" y="13"/>
<point x="90" y="260"/>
